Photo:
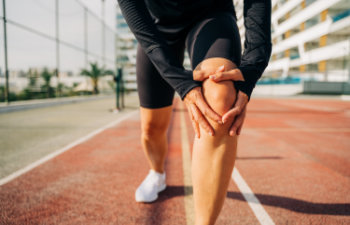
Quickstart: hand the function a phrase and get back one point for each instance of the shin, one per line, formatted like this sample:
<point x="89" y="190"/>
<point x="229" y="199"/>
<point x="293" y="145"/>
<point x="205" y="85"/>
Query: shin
<point x="214" y="156"/>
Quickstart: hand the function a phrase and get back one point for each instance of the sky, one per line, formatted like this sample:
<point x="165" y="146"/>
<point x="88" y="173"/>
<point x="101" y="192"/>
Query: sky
<point x="27" y="49"/>
<point x="95" y="6"/>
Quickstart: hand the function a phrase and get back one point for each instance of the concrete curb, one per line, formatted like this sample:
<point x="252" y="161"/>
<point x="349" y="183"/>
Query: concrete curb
<point x="32" y="104"/>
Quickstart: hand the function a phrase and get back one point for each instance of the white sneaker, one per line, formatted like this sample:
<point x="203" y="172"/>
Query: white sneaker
<point x="150" y="187"/>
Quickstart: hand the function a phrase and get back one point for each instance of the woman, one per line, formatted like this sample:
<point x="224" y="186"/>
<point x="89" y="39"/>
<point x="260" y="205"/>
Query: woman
<point x="217" y="106"/>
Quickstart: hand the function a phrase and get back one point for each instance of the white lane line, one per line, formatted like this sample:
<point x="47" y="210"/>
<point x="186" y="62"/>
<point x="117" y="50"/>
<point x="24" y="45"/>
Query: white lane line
<point x="186" y="163"/>
<point x="345" y="97"/>
<point x="60" y="151"/>
<point x="252" y="200"/>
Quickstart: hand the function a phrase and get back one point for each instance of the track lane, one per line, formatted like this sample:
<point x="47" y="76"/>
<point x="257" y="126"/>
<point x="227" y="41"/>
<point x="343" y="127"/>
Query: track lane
<point x="94" y="182"/>
<point x="296" y="183"/>
<point x="235" y="209"/>
<point x="300" y="177"/>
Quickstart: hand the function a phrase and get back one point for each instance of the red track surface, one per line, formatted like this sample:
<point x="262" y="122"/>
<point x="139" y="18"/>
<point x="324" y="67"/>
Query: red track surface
<point x="294" y="155"/>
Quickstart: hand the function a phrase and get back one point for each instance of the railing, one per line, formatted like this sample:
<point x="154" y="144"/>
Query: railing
<point x="279" y="80"/>
<point x="341" y="15"/>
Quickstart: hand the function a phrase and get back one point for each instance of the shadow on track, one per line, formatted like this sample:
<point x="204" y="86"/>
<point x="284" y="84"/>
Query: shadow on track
<point x="296" y="205"/>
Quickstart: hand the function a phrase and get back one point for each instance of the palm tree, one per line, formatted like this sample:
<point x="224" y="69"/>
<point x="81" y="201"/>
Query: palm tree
<point x="95" y="73"/>
<point x="46" y="75"/>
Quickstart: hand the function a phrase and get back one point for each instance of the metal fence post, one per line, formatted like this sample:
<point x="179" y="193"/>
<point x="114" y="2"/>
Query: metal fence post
<point x="122" y="86"/>
<point x="103" y="33"/>
<point x="57" y="51"/>
<point x="117" y="91"/>
<point x="86" y="37"/>
<point x="7" y="88"/>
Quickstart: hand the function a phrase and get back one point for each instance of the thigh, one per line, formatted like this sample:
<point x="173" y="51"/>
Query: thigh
<point x="154" y="92"/>
<point x="216" y="35"/>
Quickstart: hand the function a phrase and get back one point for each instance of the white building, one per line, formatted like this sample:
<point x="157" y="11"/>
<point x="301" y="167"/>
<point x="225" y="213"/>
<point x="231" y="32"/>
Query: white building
<point x="311" y="39"/>
<point x="126" y="51"/>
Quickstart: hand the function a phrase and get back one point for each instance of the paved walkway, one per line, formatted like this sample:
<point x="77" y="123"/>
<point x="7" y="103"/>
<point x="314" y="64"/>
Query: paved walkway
<point x="292" y="168"/>
<point x="28" y="135"/>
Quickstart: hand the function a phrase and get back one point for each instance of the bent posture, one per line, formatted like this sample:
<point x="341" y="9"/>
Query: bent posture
<point x="216" y="92"/>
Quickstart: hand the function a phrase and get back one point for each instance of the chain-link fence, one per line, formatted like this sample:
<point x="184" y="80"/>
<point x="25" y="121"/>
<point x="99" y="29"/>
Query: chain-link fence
<point x="60" y="37"/>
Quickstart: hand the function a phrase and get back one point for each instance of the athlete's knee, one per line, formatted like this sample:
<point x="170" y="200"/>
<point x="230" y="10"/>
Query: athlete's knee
<point x="153" y="129"/>
<point x="154" y="122"/>
<point x="219" y="95"/>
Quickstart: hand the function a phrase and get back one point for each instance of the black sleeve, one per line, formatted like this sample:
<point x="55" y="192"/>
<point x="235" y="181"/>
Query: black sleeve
<point x="257" y="45"/>
<point x="141" y="24"/>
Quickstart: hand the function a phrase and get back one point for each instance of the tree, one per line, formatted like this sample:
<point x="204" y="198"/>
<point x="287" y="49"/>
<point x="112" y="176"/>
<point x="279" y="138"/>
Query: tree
<point x="95" y="73"/>
<point x="32" y="76"/>
<point x="46" y="75"/>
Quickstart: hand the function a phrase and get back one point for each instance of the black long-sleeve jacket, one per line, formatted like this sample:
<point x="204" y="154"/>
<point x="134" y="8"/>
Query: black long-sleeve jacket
<point x="150" y="19"/>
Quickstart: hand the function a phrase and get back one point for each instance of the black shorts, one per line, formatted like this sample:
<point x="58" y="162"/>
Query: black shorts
<point x="215" y="35"/>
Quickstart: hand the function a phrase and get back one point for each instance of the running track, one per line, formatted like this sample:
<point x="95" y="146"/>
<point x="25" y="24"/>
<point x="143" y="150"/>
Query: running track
<point x="293" y="167"/>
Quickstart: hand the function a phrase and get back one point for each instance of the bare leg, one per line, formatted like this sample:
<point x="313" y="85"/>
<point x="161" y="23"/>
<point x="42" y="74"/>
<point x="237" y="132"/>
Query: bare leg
<point x="214" y="157"/>
<point x="154" y="126"/>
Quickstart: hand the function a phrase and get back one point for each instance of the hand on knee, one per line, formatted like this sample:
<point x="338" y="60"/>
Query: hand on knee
<point x="221" y="98"/>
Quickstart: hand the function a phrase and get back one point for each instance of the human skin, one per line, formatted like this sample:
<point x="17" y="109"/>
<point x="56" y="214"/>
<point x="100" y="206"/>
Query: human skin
<point x="213" y="157"/>
<point x="154" y="126"/>
<point x="213" y="154"/>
